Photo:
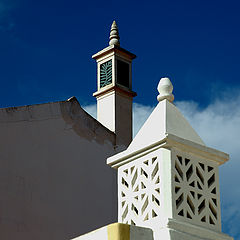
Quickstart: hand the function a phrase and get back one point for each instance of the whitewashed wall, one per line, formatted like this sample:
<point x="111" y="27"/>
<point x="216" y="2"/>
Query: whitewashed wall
<point x="54" y="183"/>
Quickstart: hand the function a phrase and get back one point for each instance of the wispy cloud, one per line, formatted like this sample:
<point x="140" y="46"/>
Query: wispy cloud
<point x="219" y="126"/>
<point x="91" y="109"/>
<point x="140" y="114"/>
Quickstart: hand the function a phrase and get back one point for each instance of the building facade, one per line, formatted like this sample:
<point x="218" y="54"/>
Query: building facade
<point x="54" y="180"/>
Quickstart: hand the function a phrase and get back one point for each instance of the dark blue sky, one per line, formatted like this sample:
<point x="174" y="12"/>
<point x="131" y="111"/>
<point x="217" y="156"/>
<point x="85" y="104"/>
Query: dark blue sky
<point x="46" y="47"/>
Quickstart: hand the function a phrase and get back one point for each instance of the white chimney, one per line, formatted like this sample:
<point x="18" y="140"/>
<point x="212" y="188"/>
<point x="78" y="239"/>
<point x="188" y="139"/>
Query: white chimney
<point x="114" y="88"/>
<point x="168" y="178"/>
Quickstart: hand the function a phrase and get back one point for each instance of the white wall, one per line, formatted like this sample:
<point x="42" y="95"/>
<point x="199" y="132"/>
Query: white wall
<point x="54" y="182"/>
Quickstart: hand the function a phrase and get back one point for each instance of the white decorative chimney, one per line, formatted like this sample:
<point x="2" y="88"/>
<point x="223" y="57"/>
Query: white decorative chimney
<point x="114" y="88"/>
<point x="168" y="179"/>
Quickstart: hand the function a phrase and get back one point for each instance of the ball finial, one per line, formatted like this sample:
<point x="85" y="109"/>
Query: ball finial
<point x="165" y="89"/>
<point x="114" y="36"/>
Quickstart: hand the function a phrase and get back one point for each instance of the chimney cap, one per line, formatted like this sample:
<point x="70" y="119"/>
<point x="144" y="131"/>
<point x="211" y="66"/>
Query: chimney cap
<point x="165" y="89"/>
<point x="114" y="36"/>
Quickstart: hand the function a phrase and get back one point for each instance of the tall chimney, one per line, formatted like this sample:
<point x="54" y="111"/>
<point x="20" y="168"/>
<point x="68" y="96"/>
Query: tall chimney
<point x="114" y="88"/>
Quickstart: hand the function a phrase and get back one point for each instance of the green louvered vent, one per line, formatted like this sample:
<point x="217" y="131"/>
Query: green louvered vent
<point x="105" y="73"/>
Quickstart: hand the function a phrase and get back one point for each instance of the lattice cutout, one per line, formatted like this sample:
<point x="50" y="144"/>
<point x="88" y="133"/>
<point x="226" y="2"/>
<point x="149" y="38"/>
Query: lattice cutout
<point x="196" y="191"/>
<point x="139" y="186"/>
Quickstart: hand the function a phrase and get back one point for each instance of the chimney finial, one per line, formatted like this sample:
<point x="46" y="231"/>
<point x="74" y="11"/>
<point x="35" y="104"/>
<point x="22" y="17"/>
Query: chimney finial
<point x="114" y="36"/>
<point x="165" y="89"/>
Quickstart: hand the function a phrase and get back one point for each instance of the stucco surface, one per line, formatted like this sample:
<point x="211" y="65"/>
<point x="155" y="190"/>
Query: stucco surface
<point x="165" y="119"/>
<point x="54" y="183"/>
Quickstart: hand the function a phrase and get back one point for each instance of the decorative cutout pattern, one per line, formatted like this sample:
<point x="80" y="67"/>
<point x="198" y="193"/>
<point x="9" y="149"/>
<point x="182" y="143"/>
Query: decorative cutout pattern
<point x="139" y="191"/>
<point x="105" y="73"/>
<point x="196" y="191"/>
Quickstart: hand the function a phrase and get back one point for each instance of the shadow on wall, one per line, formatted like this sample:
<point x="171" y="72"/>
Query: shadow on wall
<point x="55" y="183"/>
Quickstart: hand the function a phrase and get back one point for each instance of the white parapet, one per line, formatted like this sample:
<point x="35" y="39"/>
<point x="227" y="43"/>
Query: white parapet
<point x="118" y="231"/>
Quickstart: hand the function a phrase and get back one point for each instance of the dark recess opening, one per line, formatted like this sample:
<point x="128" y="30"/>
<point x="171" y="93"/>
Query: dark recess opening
<point x="123" y="73"/>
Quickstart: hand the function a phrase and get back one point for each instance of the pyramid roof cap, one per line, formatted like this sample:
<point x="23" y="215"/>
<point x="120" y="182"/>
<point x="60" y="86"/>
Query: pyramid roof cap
<point x="166" y="127"/>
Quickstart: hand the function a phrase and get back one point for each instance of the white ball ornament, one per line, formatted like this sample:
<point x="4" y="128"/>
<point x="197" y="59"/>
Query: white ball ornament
<point x="165" y="89"/>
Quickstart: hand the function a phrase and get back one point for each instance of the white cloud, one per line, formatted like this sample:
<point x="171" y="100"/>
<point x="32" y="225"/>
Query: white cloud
<point x="91" y="109"/>
<point x="140" y="115"/>
<point x="218" y="125"/>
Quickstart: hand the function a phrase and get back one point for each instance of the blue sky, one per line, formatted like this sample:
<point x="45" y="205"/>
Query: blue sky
<point x="46" y="49"/>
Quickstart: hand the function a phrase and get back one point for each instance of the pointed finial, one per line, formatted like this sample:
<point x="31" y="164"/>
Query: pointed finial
<point x="114" y="37"/>
<point x="165" y="89"/>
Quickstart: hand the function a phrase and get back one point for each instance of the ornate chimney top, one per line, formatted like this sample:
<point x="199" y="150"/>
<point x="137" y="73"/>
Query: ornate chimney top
<point x="168" y="179"/>
<point x="114" y="36"/>
<point x="165" y="89"/>
<point x="114" y="88"/>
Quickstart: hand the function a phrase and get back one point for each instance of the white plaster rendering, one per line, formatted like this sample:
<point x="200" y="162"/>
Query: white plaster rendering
<point x="106" y="107"/>
<point x="166" y="119"/>
<point x="168" y="179"/>
<point x="50" y="157"/>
